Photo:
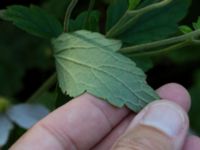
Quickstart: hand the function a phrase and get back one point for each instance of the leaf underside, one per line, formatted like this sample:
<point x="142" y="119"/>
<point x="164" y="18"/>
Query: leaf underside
<point x="88" y="62"/>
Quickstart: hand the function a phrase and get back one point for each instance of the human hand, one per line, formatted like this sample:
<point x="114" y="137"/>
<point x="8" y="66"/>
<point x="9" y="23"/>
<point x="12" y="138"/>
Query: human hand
<point x="88" y="123"/>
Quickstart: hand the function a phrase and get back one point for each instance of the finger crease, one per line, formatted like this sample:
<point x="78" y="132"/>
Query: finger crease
<point x="65" y="140"/>
<point x="101" y="110"/>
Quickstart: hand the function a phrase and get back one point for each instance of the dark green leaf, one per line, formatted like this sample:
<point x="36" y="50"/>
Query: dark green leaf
<point x="115" y="11"/>
<point x="133" y="4"/>
<point x="33" y="20"/>
<point x="86" y="21"/>
<point x="57" y="9"/>
<point x="144" y="63"/>
<point x="89" y="62"/>
<point x="157" y="24"/>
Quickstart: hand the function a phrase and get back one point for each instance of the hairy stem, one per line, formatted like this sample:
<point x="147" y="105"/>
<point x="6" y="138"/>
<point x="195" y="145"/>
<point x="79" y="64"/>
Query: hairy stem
<point x="162" y="50"/>
<point x="44" y="87"/>
<point x="166" y="42"/>
<point x="68" y="14"/>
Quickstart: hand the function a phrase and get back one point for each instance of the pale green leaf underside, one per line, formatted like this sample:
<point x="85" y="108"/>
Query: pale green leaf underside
<point x="88" y="62"/>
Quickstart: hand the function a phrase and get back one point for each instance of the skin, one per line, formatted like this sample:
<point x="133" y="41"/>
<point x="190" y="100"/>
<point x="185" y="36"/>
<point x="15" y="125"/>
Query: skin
<point x="89" y="123"/>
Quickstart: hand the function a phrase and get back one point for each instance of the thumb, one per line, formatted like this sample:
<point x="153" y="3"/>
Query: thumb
<point x="162" y="125"/>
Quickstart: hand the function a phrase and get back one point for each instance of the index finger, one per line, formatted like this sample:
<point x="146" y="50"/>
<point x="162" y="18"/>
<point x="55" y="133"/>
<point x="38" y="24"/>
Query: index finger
<point x="79" y="124"/>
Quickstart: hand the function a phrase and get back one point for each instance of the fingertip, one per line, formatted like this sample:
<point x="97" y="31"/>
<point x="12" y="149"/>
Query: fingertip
<point x="176" y="93"/>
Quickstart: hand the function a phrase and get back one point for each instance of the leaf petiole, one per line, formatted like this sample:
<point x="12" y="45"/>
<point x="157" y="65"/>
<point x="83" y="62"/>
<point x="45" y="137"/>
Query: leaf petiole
<point x="143" y="48"/>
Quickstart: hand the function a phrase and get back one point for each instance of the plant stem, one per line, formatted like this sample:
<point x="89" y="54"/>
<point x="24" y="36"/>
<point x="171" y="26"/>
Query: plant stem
<point x="148" y="46"/>
<point x="162" y="50"/>
<point x="130" y="17"/>
<point x="68" y="14"/>
<point x="44" y="87"/>
<point x="151" y="7"/>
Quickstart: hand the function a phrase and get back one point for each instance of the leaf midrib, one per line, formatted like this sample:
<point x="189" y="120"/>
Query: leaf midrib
<point x="97" y="69"/>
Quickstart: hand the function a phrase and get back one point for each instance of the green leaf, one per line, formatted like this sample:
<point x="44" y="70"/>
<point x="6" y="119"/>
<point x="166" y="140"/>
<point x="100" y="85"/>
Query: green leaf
<point x="88" y="62"/>
<point x="57" y="9"/>
<point x="185" y="29"/>
<point x="33" y="20"/>
<point x="157" y="24"/>
<point x="115" y="12"/>
<point x="142" y="62"/>
<point x="86" y="21"/>
<point x="133" y="4"/>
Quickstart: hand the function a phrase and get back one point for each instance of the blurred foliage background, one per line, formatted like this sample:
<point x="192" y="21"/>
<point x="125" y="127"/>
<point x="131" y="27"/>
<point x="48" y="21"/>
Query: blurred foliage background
<point x="26" y="61"/>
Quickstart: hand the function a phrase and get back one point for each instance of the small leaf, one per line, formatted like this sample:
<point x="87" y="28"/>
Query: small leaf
<point x="133" y="4"/>
<point x="33" y="20"/>
<point x="5" y="128"/>
<point x="185" y="29"/>
<point x="88" y="62"/>
<point x="196" y="26"/>
<point x="26" y="115"/>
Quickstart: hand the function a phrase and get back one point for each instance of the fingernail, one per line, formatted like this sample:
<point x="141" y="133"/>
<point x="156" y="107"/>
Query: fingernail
<point x="165" y="116"/>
